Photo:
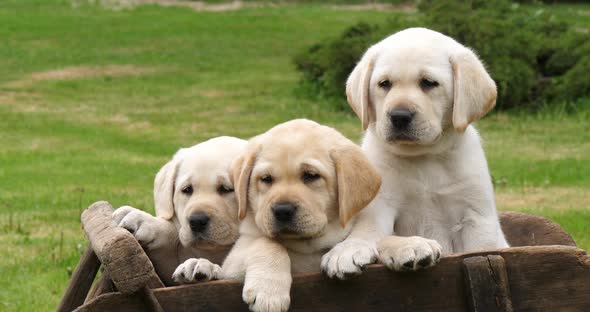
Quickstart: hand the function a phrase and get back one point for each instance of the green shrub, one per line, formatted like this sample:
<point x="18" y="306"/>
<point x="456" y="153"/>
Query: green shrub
<point x="534" y="59"/>
<point x="324" y="68"/>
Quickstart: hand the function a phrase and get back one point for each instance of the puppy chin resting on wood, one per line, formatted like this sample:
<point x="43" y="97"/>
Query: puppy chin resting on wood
<point x="195" y="206"/>
<point x="299" y="187"/>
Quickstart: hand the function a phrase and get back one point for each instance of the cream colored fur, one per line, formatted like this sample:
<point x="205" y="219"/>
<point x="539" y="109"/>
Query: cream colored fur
<point x="437" y="194"/>
<point x="268" y="251"/>
<point x="167" y="238"/>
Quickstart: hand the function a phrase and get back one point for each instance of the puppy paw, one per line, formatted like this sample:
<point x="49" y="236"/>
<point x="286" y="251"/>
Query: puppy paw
<point x="196" y="270"/>
<point x="348" y="258"/>
<point x="146" y="228"/>
<point x="264" y="295"/>
<point x="408" y="253"/>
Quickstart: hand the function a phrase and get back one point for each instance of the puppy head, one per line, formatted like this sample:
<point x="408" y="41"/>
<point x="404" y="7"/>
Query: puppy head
<point x="415" y="86"/>
<point x="300" y="176"/>
<point x="195" y="190"/>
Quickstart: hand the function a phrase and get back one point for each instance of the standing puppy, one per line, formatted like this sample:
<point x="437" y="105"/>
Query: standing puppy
<point x="299" y="186"/>
<point x="416" y="93"/>
<point x="197" y="211"/>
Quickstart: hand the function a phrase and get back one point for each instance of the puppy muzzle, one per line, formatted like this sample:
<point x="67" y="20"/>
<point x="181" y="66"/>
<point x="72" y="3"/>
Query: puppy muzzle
<point x="284" y="218"/>
<point x="400" y="119"/>
<point x="284" y="212"/>
<point x="199" y="222"/>
<point x="401" y="126"/>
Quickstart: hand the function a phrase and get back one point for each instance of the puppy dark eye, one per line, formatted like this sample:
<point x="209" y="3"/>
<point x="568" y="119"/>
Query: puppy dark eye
<point x="427" y="84"/>
<point x="187" y="190"/>
<point x="223" y="189"/>
<point x="310" y="176"/>
<point x="385" y="84"/>
<point x="266" y="179"/>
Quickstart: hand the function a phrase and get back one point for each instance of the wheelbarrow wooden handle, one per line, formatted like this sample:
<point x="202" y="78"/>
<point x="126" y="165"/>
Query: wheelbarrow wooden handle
<point x="119" y="252"/>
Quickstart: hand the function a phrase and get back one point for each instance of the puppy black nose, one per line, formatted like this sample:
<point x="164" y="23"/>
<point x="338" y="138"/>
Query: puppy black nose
<point x="401" y="118"/>
<point x="198" y="222"/>
<point x="284" y="212"/>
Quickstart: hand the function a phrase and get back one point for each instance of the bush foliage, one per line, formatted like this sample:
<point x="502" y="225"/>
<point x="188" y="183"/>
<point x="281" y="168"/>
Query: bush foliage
<point x="534" y="59"/>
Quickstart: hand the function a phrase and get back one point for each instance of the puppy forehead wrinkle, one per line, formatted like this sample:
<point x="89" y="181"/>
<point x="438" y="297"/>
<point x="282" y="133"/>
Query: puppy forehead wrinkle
<point x="295" y="148"/>
<point x="424" y="62"/>
<point x="293" y="165"/>
<point x="203" y="174"/>
<point x="296" y="141"/>
<point x="263" y="167"/>
<point x="313" y="163"/>
<point x="183" y="179"/>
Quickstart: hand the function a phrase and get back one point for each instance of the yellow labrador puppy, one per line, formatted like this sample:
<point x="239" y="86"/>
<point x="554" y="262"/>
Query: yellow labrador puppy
<point x="416" y="93"/>
<point x="299" y="187"/>
<point x="196" y="208"/>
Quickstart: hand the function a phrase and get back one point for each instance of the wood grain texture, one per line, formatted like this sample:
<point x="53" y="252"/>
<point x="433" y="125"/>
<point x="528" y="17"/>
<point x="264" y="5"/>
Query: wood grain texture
<point x="103" y="285"/>
<point x="112" y="302"/>
<point x="81" y="281"/>
<point x="522" y="229"/>
<point x="486" y="283"/>
<point x="541" y="278"/>
<point x="128" y="265"/>
<point x="150" y="301"/>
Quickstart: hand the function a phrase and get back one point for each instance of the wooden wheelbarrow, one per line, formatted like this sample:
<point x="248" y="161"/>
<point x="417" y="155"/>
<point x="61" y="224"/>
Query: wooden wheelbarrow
<point x="549" y="274"/>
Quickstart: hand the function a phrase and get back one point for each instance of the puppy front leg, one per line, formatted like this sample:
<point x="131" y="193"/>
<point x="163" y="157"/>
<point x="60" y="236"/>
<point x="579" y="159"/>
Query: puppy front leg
<point x="267" y="283"/>
<point x="480" y="232"/>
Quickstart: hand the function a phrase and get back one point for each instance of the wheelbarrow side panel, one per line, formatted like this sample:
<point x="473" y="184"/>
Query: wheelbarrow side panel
<point x="544" y="278"/>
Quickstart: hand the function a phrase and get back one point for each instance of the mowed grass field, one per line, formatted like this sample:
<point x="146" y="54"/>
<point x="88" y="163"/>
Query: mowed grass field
<point x="93" y="101"/>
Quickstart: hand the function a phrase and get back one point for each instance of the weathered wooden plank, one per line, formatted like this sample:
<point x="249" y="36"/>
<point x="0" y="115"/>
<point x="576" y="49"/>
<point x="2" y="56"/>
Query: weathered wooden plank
<point x="115" y="301"/>
<point x="117" y="249"/>
<point x="559" y="275"/>
<point x="103" y="285"/>
<point x="487" y="284"/>
<point x="543" y="278"/>
<point x="151" y="302"/>
<point x="522" y="229"/>
<point x="549" y="281"/>
<point x="80" y="282"/>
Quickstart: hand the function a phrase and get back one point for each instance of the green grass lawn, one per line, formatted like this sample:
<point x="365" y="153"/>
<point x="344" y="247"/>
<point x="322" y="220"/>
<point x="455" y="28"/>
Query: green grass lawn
<point x="94" y="101"/>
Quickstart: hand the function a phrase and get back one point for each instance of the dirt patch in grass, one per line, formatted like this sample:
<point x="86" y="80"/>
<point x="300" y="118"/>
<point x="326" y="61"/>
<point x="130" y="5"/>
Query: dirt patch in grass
<point x="373" y="6"/>
<point x="558" y="151"/>
<point x="212" y="94"/>
<point x="203" y="6"/>
<point x="558" y="198"/>
<point x="237" y="5"/>
<point x="81" y="72"/>
<point x="195" y="5"/>
<point x="24" y="102"/>
<point x="123" y="121"/>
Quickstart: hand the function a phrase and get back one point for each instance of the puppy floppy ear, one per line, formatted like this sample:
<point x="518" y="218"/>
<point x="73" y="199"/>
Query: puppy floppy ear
<point x="358" y="181"/>
<point x="234" y="170"/>
<point x="474" y="90"/>
<point x="357" y="87"/>
<point x="164" y="185"/>
<point x="242" y="171"/>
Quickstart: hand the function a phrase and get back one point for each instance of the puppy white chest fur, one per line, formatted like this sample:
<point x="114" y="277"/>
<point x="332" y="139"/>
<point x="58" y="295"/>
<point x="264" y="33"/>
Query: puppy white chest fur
<point x="436" y="196"/>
